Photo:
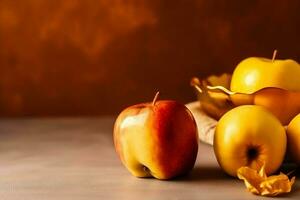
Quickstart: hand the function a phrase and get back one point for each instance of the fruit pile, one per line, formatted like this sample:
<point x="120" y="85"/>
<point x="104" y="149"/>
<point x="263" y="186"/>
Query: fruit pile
<point x="160" y="139"/>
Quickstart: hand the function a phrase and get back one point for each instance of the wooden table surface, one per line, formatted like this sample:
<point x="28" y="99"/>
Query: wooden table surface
<point x="74" y="158"/>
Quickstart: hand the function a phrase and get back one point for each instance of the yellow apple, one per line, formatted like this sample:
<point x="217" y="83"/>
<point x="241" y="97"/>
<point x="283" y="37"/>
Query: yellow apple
<point x="254" y="73"/>
<point x="157" y="139"/>
<point x="293" y="139"/>
<point x="250" y="136"/>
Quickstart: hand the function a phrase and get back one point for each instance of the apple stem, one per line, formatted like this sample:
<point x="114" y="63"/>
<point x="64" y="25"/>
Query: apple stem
<point x="155" y="98"/>
<point x="274" y="55"/>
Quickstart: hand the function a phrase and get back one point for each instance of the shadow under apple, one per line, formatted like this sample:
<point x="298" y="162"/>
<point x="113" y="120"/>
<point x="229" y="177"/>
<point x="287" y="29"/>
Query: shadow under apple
<point x="204" y="173"/>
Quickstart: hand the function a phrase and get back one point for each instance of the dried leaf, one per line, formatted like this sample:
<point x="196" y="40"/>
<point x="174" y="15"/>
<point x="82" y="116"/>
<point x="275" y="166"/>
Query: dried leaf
<point x="222" y="80"/>
<point x="258" y="183"/>
<point x="214" y="103"/>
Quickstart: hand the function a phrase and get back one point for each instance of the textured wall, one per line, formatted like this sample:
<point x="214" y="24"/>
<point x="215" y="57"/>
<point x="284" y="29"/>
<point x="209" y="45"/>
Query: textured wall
<point x="96" y="57"/>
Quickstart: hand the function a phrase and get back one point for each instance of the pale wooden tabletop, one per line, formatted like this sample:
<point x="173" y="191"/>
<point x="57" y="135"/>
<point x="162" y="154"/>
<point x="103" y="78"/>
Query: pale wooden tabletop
<point x="74" y="158"/>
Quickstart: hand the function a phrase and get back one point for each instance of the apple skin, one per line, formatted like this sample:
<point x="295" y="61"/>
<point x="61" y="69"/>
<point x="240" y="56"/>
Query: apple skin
<point x="250" y="136"/>
<point x="254" y="73"/>
<point x="293" y="138"/>
<point x="159" y="140"/>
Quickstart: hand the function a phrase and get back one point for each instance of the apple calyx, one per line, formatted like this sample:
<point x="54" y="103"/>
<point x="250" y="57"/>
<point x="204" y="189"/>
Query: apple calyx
<point x="252" y="153"/>
<point x="155" y="98"/>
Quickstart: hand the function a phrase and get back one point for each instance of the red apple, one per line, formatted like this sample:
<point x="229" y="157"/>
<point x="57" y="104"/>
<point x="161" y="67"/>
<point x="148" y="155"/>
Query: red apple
<point x="158" y="139"/>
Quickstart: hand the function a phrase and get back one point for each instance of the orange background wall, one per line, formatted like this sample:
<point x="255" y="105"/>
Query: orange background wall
<point x="97" y="57"/>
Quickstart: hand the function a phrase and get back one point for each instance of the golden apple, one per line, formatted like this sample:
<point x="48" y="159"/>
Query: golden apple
<point x="158" y="139"/>
<point x="250" y="136"/>
<point x="254" y="73"/>
<point x="293" y="139"/>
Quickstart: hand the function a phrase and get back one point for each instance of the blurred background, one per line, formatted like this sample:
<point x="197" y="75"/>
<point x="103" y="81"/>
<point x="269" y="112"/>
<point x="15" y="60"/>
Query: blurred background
<point x="96" y="57"/>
